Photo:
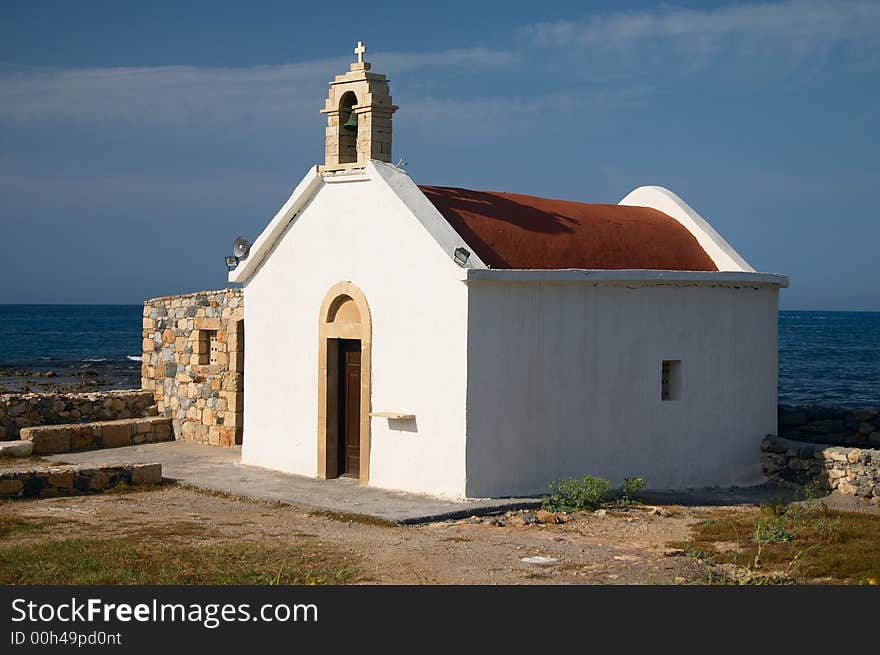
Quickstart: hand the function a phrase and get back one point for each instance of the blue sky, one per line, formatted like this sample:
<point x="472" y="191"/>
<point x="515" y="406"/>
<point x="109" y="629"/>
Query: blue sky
<point x="137" y="139"/>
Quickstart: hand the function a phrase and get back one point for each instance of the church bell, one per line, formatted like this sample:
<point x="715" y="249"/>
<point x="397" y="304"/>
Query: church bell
<point x="352" y="123"/>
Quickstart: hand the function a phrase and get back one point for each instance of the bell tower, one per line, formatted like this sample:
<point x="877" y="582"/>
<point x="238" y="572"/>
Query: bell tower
<point x="359" y="111"/>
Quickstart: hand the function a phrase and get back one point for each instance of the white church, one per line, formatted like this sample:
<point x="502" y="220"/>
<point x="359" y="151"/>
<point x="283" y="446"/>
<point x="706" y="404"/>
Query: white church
<point x="473" y="344"/>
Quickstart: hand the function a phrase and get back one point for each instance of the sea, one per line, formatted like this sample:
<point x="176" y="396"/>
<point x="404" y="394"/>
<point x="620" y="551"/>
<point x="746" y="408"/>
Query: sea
<point x="824" y="357"/>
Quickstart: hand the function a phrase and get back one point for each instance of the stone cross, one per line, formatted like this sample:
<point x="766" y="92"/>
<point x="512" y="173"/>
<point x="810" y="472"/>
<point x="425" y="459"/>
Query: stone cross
<point x="359" y="51"/>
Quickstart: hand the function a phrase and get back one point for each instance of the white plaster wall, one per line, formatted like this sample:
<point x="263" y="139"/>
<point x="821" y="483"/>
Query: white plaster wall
<point x="564" y="380"/>
<point x="360" y="232"/>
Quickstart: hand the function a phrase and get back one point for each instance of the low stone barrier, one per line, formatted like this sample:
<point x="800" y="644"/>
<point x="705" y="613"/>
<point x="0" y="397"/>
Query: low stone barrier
<point x="851" y="471"/>
<point x="75" y="480"/>
<point x="23" y="410"/>
<point x="49" y="439"/>
<point x="830" y="425"/>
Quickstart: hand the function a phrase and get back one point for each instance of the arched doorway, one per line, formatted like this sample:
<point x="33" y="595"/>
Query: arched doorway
<point x="344" y="347"/>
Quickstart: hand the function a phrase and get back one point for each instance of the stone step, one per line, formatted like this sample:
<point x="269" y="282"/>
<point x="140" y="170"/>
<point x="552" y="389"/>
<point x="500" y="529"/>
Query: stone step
<point x="76" y="479"/>
<point x="50" y="439"/>
<point x="16" y="448"/>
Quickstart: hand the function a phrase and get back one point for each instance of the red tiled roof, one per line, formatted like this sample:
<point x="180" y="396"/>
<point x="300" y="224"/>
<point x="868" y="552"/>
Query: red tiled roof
<point x="508" y="230"/>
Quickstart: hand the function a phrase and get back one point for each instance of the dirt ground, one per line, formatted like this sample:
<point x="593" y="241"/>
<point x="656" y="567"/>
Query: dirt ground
<point x="627" y="546"/>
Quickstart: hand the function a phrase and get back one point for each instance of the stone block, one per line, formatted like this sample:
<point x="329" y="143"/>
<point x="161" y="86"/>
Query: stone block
<point x="847" y="489"/>
<point x="82" y="437"/>
<point x="48" y="439"/>
<point x="98" y="481"/>
<point x="835" y="454"/>
<point x="31" y="485"/>
<point x="61" y="478"/>
<point x="146" y="474"/>
<point x="114" y="435"/>
<point x="16" y="448"/>
<point x="227" y="436"/>
<point x="161" y="431"/>
<point x="232" y="381"/>
<point x="10" y="487"/>
<point x="207" y="324"/>
<point x="234" y="400"/>
<point x="771" y="446"/>
<point x="235" y="342"/>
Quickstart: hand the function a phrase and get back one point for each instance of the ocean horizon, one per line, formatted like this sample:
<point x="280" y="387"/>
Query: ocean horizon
<point x="825" y="357"/>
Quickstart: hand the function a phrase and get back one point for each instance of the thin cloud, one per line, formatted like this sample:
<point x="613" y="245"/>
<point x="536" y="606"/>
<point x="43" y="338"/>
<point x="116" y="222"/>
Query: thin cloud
<point x="801" y="27"/>
<point x="201" y="96"/>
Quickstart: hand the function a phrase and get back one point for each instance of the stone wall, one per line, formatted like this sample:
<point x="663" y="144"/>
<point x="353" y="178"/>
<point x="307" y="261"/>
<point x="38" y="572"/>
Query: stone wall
<point x="23" y="410"/>
<point x="851" y="471"/>
<point x="193" y="363"/>
<point x="88" y="436"/>
<point x="830" y="425"/>
<point x="75" y="480"/>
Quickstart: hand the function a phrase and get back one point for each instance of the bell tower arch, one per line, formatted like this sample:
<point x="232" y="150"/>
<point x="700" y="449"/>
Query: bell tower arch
<point x="359" y="111"/>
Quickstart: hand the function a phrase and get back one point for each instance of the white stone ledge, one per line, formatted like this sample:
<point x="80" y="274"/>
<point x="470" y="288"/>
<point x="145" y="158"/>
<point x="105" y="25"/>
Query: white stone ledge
<point x="626" y="277"/>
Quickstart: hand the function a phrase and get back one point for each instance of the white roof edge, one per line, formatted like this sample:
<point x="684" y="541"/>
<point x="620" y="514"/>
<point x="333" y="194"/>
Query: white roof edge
<point x="664" y="200"/>
<point x="637" y="277"/>
<point x="263" y="243"/>
<point x="402" y="185"/>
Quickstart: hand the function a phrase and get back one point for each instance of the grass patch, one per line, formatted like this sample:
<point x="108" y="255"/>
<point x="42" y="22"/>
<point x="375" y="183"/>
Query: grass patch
<point x="122" y="488"/>
<point x="176" y="530"/>
<point x="126" y="561"/>
<point x="803" y="543"/>
<point x="14" y="525"/>
<point x="354" y="518"/>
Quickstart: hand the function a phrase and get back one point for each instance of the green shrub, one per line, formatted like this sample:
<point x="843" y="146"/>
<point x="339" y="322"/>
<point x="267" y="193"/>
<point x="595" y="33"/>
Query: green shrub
<point x="630" y="489"/>
<point x="770" y="529"/>
<point x="572" y="494"/>
<point x="775" y="506"/>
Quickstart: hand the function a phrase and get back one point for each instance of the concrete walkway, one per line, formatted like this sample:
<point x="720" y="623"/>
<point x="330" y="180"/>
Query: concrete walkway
<point x="219" y="469"/>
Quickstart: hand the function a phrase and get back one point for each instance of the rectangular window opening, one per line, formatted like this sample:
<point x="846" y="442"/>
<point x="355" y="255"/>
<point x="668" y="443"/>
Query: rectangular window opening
<point x="207" y="347"/>
<point x="670" y="379"/>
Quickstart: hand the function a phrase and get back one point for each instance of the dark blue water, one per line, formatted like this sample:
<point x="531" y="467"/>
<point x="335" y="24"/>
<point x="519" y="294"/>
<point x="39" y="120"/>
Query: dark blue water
<point x="829" y="358"/>
<point x="824" y="357"/>
<point x="61" y="345"/>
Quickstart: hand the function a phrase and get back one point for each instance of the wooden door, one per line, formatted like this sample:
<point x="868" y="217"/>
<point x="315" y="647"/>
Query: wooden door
<point x="349" y="407"/>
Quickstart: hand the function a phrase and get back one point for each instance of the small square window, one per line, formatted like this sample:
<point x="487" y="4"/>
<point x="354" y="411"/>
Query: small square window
<point x="670" y="379"/>
<point x="207" y="347"/>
